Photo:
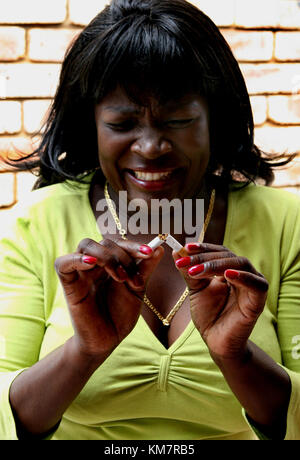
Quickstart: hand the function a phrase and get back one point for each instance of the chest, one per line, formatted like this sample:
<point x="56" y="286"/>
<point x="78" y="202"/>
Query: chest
<point x="165" y="293"/>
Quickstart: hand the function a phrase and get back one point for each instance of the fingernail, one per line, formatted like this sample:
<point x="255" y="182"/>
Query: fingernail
<point x="121" y="272"/>
<point x="193" y="246"/>
<point x="183" y="262"/>
<point x="138" y="280"/>
<point x="89" y="260"/>
<point x="232" y="274"/>
<point x="144" y="249"/>
<point x="196" y="269"/>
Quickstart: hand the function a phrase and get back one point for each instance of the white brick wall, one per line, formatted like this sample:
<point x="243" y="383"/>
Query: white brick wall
<point x="10" y="117"/>
<point x="33" y="11"/>
<point x="30" y="80"/>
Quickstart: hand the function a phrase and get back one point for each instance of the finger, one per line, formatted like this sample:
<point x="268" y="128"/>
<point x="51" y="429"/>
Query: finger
<point x="70" y="269"/>
<point x="252" y="291"/>
<point x="197" y="259"/>
<point x="68" y="266"/>
<point x="146" y="268"/>
<point x="204" y="247"/>
<point x="218" y="266"/>
<point x="246" y="279"/>
<point x="117" y="257"/>
<point x="135" y="250"/>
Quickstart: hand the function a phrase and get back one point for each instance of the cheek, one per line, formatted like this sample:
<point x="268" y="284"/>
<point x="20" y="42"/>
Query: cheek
<point x="198" y="147"/>
<point x="203" y="137"/>
<point x="108" y="149"/>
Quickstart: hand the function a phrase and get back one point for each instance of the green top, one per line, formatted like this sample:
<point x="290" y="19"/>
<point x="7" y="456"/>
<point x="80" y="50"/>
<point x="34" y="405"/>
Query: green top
<point x="143" y="390"/>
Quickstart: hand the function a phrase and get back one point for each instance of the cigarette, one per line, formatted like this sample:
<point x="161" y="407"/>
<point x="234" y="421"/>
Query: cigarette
<point x="170" y="241"/>
<point x="156" y="243"/>
<point x="175" y="245"/>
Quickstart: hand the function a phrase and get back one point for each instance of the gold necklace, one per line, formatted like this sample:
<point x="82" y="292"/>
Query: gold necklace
<point x="166" y="321"/>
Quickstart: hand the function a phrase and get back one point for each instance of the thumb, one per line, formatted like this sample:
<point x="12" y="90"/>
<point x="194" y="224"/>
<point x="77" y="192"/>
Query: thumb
<point x="145" y="269"/>
<point x="252" y="289"/>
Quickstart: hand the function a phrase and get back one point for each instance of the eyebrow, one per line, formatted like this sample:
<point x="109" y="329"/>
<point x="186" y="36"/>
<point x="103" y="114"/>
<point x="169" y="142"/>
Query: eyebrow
<point x="122" y="109"/>
<point x="132" y="110"/>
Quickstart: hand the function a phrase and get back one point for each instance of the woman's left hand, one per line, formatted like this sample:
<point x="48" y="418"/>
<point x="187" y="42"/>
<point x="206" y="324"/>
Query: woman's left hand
<point x="227" y="295"/>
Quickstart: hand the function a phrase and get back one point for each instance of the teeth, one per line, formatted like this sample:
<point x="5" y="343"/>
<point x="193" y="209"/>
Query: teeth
<point x="151" y="176"/>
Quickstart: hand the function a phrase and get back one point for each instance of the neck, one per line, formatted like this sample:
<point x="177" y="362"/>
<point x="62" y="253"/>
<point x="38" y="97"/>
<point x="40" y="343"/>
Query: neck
<point x="183" y="219"/>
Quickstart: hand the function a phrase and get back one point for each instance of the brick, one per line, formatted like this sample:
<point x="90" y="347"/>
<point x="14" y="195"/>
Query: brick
<point x="287" y="46"/>
<point x="7" y="189"/>
<point x="271" y="78"/>
<point x="32" y="11"/>
<point x="25" y="183"/>
<point x="81" y="13"/>
<point x="289" y="14"/>
<point x="12" y="43"/>
<point x="30" y="80"/>
<point x="249" y="45"/>
<point x="275" y="139"/>
<point x="257" y="13"/>
<point x="49" y="44"/>
<point x="34" y="113"/>
<point x="268" y="13"/>
<point x="288" y="176"/>
<point x="284" y="109"/>
<point x="259" y="109"/>
<point x="10" y="117"/>
<point x="222" y="13"/>
<point x="14" y="148"/>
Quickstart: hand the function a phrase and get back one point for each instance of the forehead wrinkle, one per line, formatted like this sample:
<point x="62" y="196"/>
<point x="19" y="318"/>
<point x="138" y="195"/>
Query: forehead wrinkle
<point x="153" y="106"/>
<point x="122" y="109"/>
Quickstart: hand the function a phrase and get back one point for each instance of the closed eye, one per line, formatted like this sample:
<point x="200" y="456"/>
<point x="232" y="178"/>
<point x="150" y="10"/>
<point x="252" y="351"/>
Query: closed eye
<point x="180" y="123"/>
<point x="123" y="126"/>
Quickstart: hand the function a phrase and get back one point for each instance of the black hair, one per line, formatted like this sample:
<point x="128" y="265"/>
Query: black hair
<point x="166" y="48"/>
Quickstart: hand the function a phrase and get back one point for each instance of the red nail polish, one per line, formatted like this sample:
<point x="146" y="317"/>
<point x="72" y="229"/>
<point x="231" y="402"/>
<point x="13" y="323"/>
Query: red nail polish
<point x="121" y="272"/>
<point x="193" y="246"/>
<point x="232" y="274"/>
<point x="196" y="270"/>
<point x="183" y="262"/>
<point x="144" y="249"/>
<point x="89" y="260"/>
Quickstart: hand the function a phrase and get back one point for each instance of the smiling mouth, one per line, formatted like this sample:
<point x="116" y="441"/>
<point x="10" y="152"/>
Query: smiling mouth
<point x="152" y="176"/>
<point x="154" y="180"/>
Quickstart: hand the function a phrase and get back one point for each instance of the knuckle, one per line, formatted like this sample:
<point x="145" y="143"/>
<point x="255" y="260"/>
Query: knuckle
<point x="107" y="244"/>
<point x="204" y="246"/>
<point x="265" y="285"/>
<point x="84" y="244"/>
<point x="244" y="263"/>
<point x="196" y="259"/>
<point x="224" y="248"/>
<point x="211" y="265"/>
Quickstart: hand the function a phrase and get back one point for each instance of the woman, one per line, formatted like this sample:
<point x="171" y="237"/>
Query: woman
<point x="151" y="102"/>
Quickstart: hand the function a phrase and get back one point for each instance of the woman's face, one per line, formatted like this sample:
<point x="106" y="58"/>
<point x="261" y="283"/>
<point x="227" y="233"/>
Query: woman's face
<point x="156" y="151"/>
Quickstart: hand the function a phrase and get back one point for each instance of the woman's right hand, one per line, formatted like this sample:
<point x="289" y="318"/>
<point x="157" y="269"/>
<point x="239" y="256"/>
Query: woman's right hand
<point x="104" y="291"/>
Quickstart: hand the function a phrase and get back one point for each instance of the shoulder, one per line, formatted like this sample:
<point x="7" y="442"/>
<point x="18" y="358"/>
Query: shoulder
<point x="264" y="198"/>
<point x="53" y="196"/>
<point x="46" y="207"/>
<point x="265" y="211"/>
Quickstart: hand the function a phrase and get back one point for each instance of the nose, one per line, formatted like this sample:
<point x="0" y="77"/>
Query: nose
<point x="151" y="144"/>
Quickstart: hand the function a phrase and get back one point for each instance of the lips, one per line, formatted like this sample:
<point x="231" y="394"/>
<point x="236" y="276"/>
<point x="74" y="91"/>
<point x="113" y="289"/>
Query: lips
<point x="153" y="180"/>
<point x="152" y="176"/>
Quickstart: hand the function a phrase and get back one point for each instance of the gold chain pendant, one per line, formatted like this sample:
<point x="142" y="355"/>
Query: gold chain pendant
<point x="172" y="242"/>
